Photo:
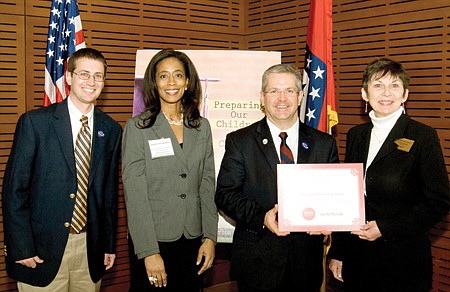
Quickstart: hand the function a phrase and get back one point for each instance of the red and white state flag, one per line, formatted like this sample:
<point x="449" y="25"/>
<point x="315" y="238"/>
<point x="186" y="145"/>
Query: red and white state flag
<point x="319" y="98"/>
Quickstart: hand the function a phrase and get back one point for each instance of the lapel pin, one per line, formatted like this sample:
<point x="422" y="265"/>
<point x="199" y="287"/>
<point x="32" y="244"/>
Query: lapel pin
<point x="265" y="141"/>
<point x="305" y="145"/>
<point x="101" y="134"/>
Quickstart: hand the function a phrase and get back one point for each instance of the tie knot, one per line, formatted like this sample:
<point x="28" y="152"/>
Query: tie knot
<point x="84" y="121"/>
<point x="283" y="136"/>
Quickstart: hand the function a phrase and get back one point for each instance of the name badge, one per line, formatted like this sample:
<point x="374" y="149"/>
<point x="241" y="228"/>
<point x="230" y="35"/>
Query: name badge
<point x="404" y="144"/>
<point x="161" y="148"/>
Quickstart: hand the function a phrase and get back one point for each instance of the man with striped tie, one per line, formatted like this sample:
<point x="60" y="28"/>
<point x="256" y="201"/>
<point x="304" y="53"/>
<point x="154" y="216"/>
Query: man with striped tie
<point x="263" y="258"/>
<point x="60" y="187"/>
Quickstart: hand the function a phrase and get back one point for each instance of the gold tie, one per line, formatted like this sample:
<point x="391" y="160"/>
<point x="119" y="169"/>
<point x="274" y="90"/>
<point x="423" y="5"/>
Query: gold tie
<point x="82" y="162"/>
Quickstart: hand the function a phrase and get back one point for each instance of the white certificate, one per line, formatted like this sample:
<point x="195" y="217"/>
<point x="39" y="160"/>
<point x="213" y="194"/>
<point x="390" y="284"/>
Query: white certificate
<point x="320" y="197"/>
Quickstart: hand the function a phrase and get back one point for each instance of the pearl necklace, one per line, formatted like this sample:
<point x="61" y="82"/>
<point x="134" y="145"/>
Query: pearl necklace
<point x="173" y="122"/>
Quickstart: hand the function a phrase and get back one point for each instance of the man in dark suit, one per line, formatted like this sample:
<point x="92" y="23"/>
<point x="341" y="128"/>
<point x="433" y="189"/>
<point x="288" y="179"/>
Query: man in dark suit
<point x="263" y="258"/>
<point x="44" y="249"/>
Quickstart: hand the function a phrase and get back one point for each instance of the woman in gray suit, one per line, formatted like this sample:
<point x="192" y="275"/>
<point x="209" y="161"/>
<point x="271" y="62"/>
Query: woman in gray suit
<point x="406" y="193"/>
<point x="168" y="177"/>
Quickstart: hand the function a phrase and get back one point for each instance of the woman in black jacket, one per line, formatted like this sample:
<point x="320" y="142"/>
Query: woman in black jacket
<point x="406" y="191"/>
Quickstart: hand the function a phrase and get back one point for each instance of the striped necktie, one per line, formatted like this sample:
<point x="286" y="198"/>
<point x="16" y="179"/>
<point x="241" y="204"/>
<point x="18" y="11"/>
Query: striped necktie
<point x="285" y="153"/>
<point x="82" y="162"/>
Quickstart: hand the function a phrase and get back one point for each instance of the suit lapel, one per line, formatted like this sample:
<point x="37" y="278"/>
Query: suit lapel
<point x="99" y="136"/>
<point x="397" y="132"/>
<point x="264" y="140"/>
<point x="304" y="144"/>
<point x="189" y="138"/>
<point x="162" y="129"/>
<point x="64" y="133"/>
<point x="363" y="139"/>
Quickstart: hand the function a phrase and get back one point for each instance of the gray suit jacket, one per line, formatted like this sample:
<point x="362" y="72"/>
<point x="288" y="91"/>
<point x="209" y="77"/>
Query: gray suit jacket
<point x="170" y="196"/>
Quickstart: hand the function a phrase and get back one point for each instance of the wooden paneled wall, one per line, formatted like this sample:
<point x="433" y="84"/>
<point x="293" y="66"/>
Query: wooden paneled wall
<point x="414" y="32"/>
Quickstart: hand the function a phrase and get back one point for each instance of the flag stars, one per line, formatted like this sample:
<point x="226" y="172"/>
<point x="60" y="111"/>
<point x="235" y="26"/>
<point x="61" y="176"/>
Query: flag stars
<point x="318" y="73"/>
<point x="314" y="93"/>
<point x="55" y="11"/>
<point x="53" y="25"/>
<point x="63" y="27"/>
<point x="50" y="53"/>
<point x="310" y="114"/>
<point x="60" y="61"/>
<point x="63" y="47"/>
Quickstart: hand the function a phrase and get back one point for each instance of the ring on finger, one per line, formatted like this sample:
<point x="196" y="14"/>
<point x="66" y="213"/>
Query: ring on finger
<point x="152" y="279"/>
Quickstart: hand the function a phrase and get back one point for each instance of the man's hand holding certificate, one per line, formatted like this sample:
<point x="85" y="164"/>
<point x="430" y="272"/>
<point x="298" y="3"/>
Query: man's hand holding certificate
<point x="320" y="197"/>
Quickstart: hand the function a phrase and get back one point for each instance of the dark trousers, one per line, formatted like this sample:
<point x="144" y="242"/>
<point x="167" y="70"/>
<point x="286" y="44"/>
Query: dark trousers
<point x="303" y="272"/>
<point x="284" y="286"/>
<point x="179" y="261"/>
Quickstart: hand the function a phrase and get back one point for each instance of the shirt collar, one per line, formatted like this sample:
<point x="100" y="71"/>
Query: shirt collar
<point x="75" y="113"/>
<point x="275" y="131"/>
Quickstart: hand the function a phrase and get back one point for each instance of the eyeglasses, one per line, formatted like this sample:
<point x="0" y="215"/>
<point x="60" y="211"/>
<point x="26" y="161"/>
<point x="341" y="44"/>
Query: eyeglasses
<point x="98" y="77"/>
<point x="287" y="92"/>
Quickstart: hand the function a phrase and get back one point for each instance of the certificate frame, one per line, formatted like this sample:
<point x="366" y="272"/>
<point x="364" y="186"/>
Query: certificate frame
<point x="320" y="197"/>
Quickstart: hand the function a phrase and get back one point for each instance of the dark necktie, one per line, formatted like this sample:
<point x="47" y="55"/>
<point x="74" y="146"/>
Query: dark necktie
<point x="82" y="162"/>
<point x="285" y="153"/>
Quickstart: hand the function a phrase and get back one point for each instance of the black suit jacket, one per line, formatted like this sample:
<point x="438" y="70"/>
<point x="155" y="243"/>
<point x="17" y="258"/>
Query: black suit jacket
<point x="40" y="177"/>
<point x="247" y="189"/>
<point x="407" y="193"/>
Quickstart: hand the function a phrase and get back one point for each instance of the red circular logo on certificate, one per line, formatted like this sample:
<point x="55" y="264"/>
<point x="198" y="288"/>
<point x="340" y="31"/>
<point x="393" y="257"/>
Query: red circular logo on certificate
<point x="309" y="214"/>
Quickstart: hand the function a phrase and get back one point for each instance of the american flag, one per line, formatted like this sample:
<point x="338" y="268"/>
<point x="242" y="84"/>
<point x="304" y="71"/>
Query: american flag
<point x="319" y="99"/>
<point x="65" y="36"/>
